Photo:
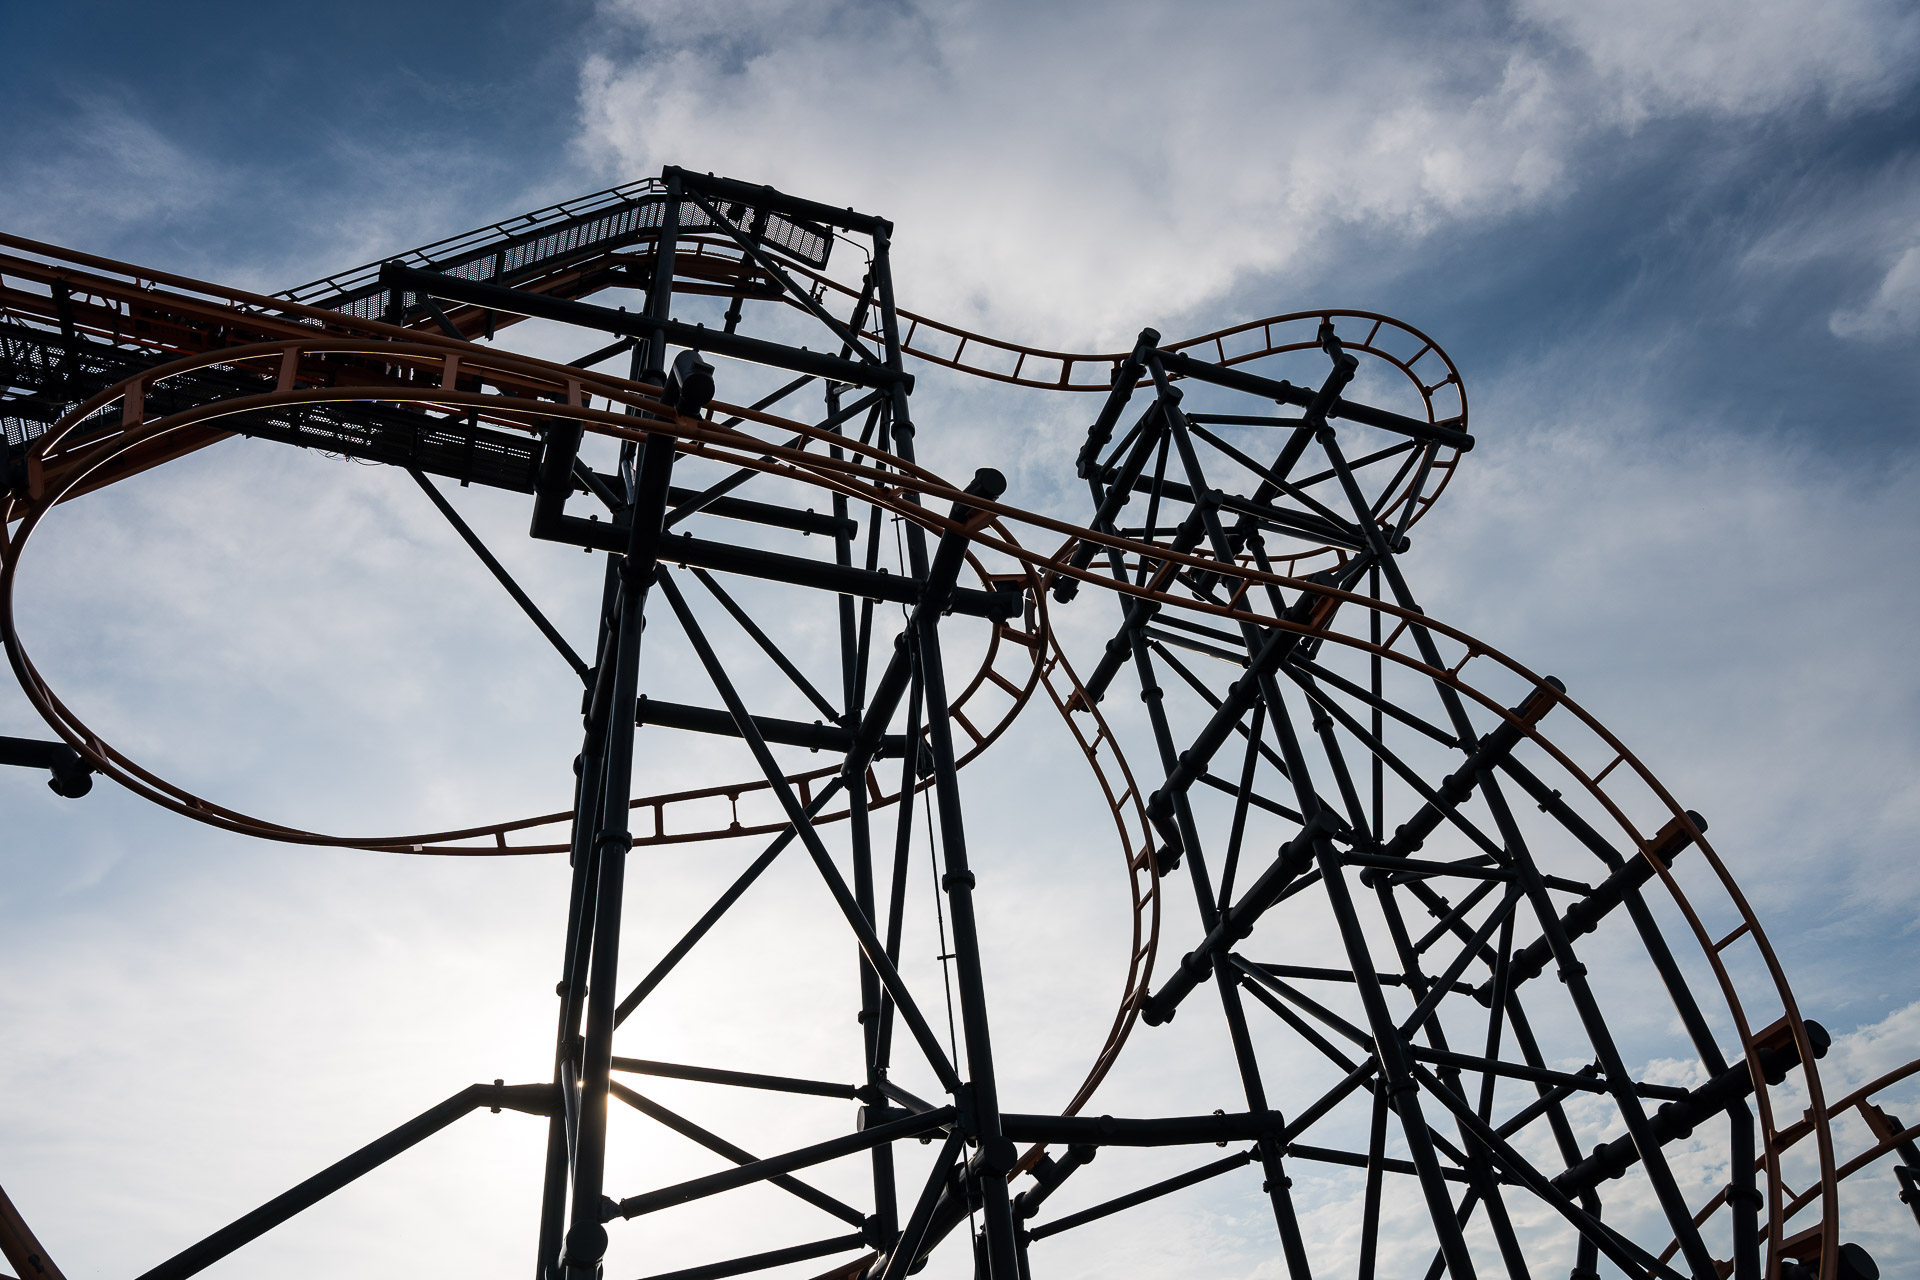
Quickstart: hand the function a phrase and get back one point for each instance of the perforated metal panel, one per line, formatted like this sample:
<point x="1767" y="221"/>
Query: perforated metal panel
<point x="510" y="253"/>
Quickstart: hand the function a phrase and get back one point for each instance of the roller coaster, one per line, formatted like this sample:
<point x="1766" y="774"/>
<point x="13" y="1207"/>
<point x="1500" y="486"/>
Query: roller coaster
<point x="1428" y="885"/>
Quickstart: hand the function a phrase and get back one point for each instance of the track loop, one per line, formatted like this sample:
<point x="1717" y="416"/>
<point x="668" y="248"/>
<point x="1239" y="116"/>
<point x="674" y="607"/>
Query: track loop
<point x="62" y="460"/>
<point x="94" y="440"/>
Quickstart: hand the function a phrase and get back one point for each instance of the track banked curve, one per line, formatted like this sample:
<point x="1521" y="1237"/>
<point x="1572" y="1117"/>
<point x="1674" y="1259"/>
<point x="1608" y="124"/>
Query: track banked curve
<point x="873" y="477"/>
<point x="865" y="477"/>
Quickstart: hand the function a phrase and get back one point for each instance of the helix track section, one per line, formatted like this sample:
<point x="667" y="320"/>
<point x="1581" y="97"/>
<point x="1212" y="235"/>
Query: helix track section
<point x="1606" y="783"/>
<point x="65" y="459"/>
<point x="279" y="390"/>
<point x="126" y="369"/>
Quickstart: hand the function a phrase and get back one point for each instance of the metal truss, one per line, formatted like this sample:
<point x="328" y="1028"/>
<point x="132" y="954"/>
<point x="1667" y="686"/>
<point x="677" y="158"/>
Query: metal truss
<point x="1426" y="883"/>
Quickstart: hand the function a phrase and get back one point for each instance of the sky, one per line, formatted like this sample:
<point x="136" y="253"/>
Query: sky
<point x="1674" y="250"/>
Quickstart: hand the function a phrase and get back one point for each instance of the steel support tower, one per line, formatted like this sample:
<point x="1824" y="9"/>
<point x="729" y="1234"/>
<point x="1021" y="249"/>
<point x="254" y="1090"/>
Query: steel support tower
<point x="1424" y="901"/>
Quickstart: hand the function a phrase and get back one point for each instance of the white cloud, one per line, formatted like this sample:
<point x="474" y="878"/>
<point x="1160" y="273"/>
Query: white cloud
<point x="1737" y="57"/>
<point x="1067" y="173"/>
<point x="1894" y="309"/>
<point x="1064" y="174"/>
<point x="1709" y="583"/>
<point x="1847" y="236"/>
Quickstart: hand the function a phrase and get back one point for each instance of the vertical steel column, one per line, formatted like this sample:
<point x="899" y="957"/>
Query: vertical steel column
<point x="1166" y="409"/>
<point x="897" y="890"/>
<point x="1379" y="770"/>
<point x="647" y="483"/>
<point x="996" y="1158"/>
<point x="1384" y="563"/>
<point x="580" y="910"/>
<point x="1389" y="1049"/>
<point x="1743" y="1198"/>
<point x="1402" y="594"/>
<point x="1479" y="1169"/>
<point x="1376" y="1169"/>
<point x="1587" y="1254"/>
<point x="874" y="1024"/>
<point x="885" y="1220"/>
<point x="1620" y="1083"/>
<point x="586" y="1240"/>
<point x="1572" y="973"/>
<point x="660" y="292"/>
<point x="1278" y="1185"/>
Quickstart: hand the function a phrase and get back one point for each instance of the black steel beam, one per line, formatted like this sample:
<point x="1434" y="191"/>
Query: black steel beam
<point x="1275" y="649"/>
<point x="1177" y="1183"/>
<point x="760" y="1170"/>
<point x="1273" y="481"/>
<point x="588" y="315"/>
<point x="1136" y="614"/>
<point x="910" y="1246"/>
<point x="1125" y="376"/>
<point x="720" y="1146"/>
<point x="1294" y="859"/>
<point x="739" y="1079"/>
<point x="1185" y="833"/>
<point x="755" y="253"/>
<point x="1357" y="1160"/>
<point x="770" y="647"/>
<point x="1573" y="974"/>
<point x="1388" y="1047"/>
<point x="994" y="1157"/>
<point x="939" y="595"/>
<point x="862" y="926"/>
<point x="1678" y="1119"/>
<point x="72" y="775"/>
<point x="741" y="475"/>
<point x="763" y="1261"/>
<point x="534" y="1099"/>
<point x="501" y="575"/>
<point x="761" y="197"/>
<point x="563" y="1127"/>
<point x="1119" y="480"/>
<point x="793" y="733"/>
<point x="1443" y="433"/>
<point x="754" y="562"/>
<point x="1575" y="1081"/>
<point x="1240" y="420"/>
<point x="1458" y="785"/>
<point x="1630" y="1257"/>
<point x="1157" y="1131"/>
<point x="1298" y="523"/>
<point x="1048" y="1175"/>
<point x="1583" y="916"/>
<point x="678" y="952"/>
<point x="766" y="513"/>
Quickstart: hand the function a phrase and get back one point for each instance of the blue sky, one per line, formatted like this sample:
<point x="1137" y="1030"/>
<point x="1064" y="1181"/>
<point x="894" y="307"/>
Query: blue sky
<point x="1674" y="249"/>
<point x="1729" y="224"/>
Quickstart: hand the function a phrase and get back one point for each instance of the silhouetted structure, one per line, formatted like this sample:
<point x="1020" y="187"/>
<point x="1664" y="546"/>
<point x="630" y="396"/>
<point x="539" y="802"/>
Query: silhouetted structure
<point x="1370" y="809"/>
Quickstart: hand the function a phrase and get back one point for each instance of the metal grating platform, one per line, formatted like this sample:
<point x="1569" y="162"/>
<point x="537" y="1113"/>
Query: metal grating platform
<point x="509" y="253"/>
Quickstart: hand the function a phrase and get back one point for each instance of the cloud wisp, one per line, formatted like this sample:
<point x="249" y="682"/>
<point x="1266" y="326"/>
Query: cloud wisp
<point x="1720" y="592"/>
<point x="1058" y="173"/>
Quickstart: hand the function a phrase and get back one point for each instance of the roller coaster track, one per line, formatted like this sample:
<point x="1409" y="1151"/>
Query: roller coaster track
<point x="571" y="250"/>
<point x="70" y="458"/>
<point x="210" y="363"/>
<point x="871" y="478"/>
<point x="607" y="242"/>
<point x="1887" y="1136"/>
